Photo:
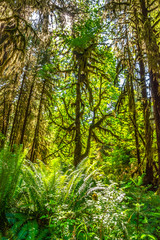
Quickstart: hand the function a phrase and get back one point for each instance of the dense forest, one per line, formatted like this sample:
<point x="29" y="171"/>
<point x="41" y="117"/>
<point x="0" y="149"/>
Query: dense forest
<point x="79" y="119"/>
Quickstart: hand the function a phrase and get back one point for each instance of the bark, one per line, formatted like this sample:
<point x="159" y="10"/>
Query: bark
<point x="131" y="94"/>
<point x="35" y="143"/>
<point x="153" y="55"/>
<point x="156" y="107"/>
<point x="26" y="112"/>
<point x="10" y="106"/>
<point x="16" y="116"/>
<point x="134" y="118"/>
<point x="78" y="143"/>
<point x="147" y="126"/>
<point x="81" y="79"/>
<point x="4" y="117"/>
<point x="146" y="107"/>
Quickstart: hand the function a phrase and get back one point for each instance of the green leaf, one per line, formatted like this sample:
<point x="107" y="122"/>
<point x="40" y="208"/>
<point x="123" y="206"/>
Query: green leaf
<point x="148" y="235"/>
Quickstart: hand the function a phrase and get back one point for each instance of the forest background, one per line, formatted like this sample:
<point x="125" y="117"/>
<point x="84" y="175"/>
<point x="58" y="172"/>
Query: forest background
<point x="80" y="119"/>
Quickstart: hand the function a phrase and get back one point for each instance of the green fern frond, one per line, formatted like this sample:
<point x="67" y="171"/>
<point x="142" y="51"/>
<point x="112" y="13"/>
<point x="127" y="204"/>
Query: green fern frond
<point x="71" y="184"/>
<point x="32" y="230"/>
<point x="43" y="234"/>
<point x="10" y="170"/>
<point x="22" y="234"/>
<point x="19" y="220"/>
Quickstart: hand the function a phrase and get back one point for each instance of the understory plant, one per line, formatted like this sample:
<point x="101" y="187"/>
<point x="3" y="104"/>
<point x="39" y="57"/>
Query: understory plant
<point x="10" y="170"/>
<point x="43" y="202"/>
<point x="72" y="205"/>
<point x="89" y="209"/>
<point x="143" y="211"/>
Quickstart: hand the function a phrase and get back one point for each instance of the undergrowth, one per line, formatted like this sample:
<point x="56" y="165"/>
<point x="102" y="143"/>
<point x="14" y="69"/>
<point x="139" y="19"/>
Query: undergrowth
<point x="42" y="202"/>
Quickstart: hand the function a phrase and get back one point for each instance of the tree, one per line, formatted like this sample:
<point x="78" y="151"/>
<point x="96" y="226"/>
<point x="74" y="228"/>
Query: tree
<point x="142" y="36"/>
<point x="84" y="98"/>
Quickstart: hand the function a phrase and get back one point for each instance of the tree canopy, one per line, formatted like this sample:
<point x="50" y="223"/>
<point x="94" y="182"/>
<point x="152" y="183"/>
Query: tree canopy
<point x="81" y="80"/>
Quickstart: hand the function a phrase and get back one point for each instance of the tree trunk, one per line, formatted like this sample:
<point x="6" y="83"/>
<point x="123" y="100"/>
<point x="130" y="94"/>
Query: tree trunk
<point x="131" y="96"/>
<point x="36" y="132"/>
<point x="134" y="117"/>
<point x="4" y="118"/>
<point x="156" y="106"/>
<point x="26" y="112"/>
<point x="78" y="144"/>
<point x="146" y="107"/>
<point x="153" y="63"/>
<point x="10" y="106"/>
<point x="15" y="120"/>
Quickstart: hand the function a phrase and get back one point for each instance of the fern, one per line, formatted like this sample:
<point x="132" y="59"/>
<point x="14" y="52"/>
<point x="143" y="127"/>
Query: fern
<point x="10" y="169"/>
<point x="43" y="234"/>
<point x="38" y="188"/>
<point x="26" y="227"/>
<point x="54" y="204"/>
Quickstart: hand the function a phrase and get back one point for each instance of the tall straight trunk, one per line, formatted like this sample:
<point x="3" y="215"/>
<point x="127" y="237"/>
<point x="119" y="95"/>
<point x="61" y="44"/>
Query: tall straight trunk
<point x="153" y="55"/>
<point x="134" y="117"/>
<point x="10" y="105"/>
<point x="36" y="132"/>
<point x="156" y="106"/>
<point x="26" y="112"/>
<point x="15" y="120"/>
<point x="146" y="107"/>
<point x="78" y="143"/>
<point x="132" y="104"/>
<point x="4" y="111"/>
<point x="147" y="126"/>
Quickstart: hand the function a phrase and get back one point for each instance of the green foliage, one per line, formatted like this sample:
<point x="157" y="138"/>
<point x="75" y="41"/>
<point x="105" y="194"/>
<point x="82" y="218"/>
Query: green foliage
<point x="86" y="29"/>
<point x="71" y="78"/>
<point x="10" y="170"/>
<point x="79" y="203"/>
<point x="85" y="33"/>
<point x="50" y="204"/>
<point x="98" y="99"/>
<point x="64" y="204"/>
<point x="116" y="162"/>
<point x="26" y="227"/>
<point x="143" y="209"/>
<point x="35" y="188"/>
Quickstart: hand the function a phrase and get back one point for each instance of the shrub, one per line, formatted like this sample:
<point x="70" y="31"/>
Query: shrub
<point x="10" y="169"/>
